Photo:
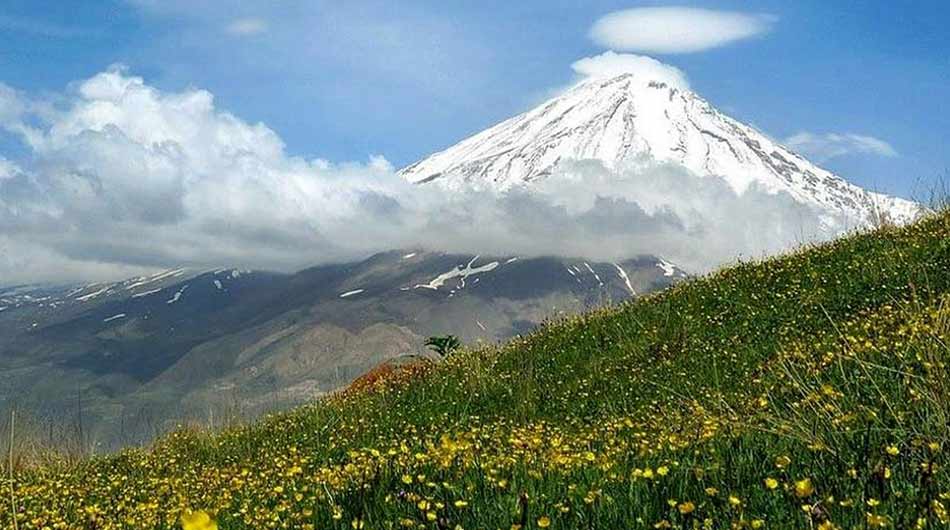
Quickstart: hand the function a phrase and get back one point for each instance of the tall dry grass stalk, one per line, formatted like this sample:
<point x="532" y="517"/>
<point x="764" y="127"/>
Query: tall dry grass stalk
<point x="10" y="465"/>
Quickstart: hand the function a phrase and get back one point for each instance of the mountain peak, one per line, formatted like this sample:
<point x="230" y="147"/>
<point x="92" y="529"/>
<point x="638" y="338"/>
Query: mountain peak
<point x="634" y="117"/>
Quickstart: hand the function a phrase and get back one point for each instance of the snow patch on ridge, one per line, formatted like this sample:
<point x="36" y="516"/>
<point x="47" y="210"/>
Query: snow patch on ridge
<point x="156" y="277"/>
<point x="626" y="279"/>
<point x="177" y="295"/>
<point x="458" y="272"/>
<point x="668" y="268"/>
<point x="599" y="282"/>
<point x="95" y="294"/>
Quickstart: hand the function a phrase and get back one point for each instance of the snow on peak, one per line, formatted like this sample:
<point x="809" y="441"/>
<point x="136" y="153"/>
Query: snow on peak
<point x="644" y="114"/>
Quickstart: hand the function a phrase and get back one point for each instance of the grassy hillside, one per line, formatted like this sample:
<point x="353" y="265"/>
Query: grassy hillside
<point x="809" y="391"/>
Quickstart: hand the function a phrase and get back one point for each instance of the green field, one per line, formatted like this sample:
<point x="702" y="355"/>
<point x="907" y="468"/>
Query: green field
<point x="807" y="391"/>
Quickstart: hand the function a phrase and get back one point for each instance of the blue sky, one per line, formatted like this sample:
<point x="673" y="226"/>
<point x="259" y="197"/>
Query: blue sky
<point x="373" y="77"/>
<point x="343" y="80"/>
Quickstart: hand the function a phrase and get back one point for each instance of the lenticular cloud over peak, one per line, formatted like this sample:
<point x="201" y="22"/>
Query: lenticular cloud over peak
<point x="675" y="30"/>
<point x="645" y="69"/>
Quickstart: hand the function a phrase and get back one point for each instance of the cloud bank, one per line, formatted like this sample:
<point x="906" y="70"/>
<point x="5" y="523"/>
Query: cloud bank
<point x="824" y="147"/>
<point x="123" y="178"/>
<point x="671" y="30"/>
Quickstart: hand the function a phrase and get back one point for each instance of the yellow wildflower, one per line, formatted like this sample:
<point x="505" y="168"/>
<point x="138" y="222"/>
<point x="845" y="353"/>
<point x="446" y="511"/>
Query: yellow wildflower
<point x="199" y="520"/>
<point x="804" y="488"/>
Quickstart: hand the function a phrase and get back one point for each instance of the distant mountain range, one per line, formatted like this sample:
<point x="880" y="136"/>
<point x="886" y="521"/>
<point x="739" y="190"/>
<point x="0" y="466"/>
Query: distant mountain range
<point x="142" y="354"/>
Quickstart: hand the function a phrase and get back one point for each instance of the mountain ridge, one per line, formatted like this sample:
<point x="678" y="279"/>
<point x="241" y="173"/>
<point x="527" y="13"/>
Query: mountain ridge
<point x="149" y="352"/>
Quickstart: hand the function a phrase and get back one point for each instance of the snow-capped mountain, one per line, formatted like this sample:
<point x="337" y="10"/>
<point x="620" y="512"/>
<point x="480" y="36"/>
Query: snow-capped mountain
<point x="631" y="118"/>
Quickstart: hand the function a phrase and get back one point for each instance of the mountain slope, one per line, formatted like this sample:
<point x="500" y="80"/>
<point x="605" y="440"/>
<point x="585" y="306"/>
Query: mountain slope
<point x="807" y="391"/>
<point x="626" y="120"/>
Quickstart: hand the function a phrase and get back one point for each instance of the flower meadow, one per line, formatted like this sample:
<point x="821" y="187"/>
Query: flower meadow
<point x="805" y="391"/>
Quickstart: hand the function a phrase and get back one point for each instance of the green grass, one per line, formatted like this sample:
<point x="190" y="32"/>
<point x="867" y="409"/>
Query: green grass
<point x="823" y="370"/>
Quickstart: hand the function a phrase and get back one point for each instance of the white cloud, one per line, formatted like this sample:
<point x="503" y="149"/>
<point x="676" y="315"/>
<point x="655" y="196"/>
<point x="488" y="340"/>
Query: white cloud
<point x="7" y="169"/>
<point x="671" y="30"/>
<point x="611" y="64"/>
<point x="124" y="177"/>
<point x="823" y="147"/>
<point x="11" y="104"/>
<point x="247" y="27"/>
